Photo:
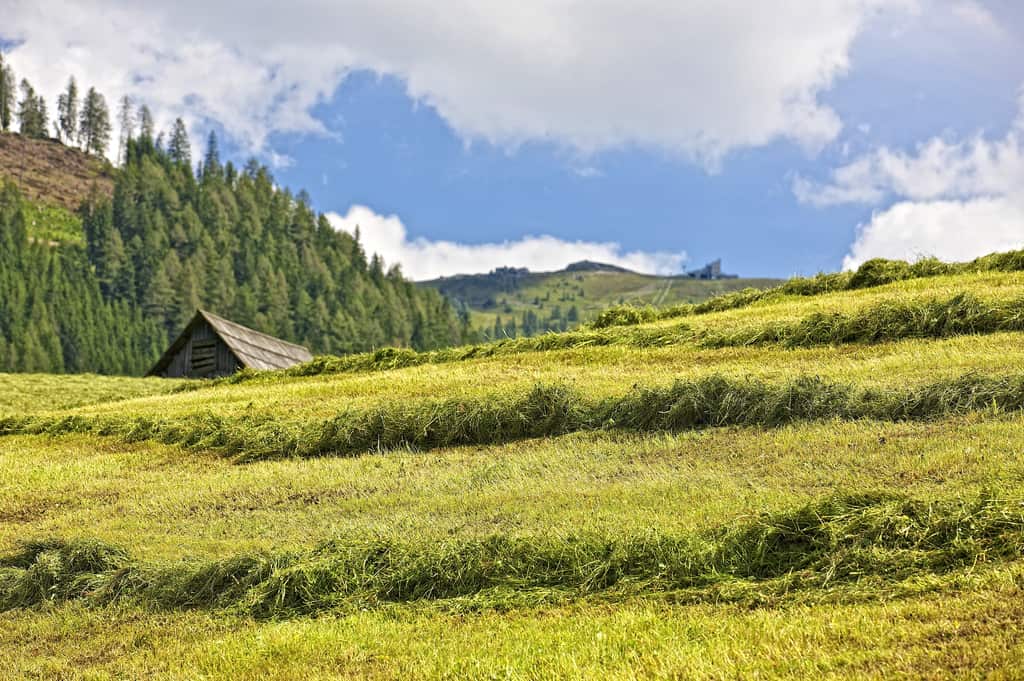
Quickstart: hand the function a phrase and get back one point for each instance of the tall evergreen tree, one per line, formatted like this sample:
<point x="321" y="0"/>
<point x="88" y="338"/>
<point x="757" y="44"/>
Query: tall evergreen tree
<point x="146" y="127"/>
<point x="126" y="126"/>
<point x="211" y="161"/>
<point x="178" y="147"/>
<point x="67" y="112"/>
<point x="31" y="112"/>
<point x="94" y="123"/>
<point x="7" y="94"/>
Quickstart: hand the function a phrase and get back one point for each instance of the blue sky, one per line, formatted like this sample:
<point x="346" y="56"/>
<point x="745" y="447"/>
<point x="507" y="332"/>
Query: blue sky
<point x="787" y="142"/>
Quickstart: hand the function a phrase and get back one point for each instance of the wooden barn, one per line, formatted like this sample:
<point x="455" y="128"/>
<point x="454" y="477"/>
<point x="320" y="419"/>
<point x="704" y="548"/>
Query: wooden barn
<point x="211" y="346"/>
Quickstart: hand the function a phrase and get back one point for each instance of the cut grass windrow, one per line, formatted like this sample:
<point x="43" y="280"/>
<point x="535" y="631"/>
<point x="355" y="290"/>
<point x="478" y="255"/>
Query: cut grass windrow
<point x="545" y="410"/>
<point x="836" y="541"/>
<point x="888" y="320"/>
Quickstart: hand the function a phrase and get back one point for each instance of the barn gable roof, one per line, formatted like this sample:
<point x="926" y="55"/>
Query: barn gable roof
<point x="253" y="349"/>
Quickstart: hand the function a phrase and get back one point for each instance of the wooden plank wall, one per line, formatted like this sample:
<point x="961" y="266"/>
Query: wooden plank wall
<point x="204" y="355"/>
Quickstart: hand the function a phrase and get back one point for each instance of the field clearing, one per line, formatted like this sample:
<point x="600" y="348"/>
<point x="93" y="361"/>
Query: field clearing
<point x="872" y="533"/>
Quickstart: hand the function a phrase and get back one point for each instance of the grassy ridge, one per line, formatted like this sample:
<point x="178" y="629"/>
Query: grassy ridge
<point x="873" y="273"/>
<point x="881" y="321"/>
<point x="510" y="295"/>
<point x="545" y="410"/>
<point x="837" y="540"/>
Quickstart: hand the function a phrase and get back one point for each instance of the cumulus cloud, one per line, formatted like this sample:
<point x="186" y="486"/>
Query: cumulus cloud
<point x="948" y="230"/>
<point x="698" y="79"/>
<point x="938" y="168"/>
<point x="954" y="199"/>
<point x="422" y="259"/>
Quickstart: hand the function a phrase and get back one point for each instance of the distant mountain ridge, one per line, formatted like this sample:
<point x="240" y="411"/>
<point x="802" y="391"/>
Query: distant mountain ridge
<point x="513" y="301"/>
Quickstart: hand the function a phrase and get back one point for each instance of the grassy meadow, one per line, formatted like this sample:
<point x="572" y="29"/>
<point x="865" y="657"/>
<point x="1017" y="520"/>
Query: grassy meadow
<point x="797" y="486"/>
<point x="589" y="291"/>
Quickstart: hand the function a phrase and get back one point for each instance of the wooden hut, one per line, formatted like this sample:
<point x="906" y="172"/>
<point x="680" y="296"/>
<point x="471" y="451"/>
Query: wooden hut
<point x="211" y="346"/>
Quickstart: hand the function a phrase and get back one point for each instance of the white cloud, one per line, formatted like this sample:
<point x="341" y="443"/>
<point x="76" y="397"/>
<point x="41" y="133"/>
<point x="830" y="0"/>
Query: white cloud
<point x="698" y="79"/>
<point x="955" y="200"/>
<point x="948" y="230"/>
<point x="935" y="169"/>
<point x="421" y="258"/>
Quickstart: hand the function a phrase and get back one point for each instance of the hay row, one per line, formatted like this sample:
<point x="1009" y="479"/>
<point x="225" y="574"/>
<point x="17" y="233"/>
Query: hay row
<point x="841" y="540"/>
<point x="543" y="411"/>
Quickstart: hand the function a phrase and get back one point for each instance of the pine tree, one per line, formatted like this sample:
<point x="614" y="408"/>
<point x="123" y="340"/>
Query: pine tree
<point x="94" y="123"/>
<point x="31" y="112"/>
<point x="145" y="121"/>
<point x="41" y="116"/>
<point x="126" y="125"/>
<point x="178" y="147"/>
<point x="211" y="161"/>
<point x="7" y="95"/>
<point x="67" y="112"/>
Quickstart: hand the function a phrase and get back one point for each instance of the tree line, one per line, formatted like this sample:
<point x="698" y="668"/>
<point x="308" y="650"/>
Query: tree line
<point x="85" y="123"/>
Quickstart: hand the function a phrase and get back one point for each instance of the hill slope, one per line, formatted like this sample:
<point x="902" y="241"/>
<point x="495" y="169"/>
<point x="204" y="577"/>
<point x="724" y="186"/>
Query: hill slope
<point x="527" y="303"/>
<point x="819" y="481"/>
<point x="51" y="174"/>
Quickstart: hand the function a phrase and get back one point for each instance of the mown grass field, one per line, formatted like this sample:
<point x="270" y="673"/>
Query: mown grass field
<point x="808" y="486"/>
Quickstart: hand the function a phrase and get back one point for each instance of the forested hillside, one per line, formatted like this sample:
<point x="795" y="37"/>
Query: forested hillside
<point x="170" y="240"/>
<point x="225" y="239"/>
<point x="53" y="317"/>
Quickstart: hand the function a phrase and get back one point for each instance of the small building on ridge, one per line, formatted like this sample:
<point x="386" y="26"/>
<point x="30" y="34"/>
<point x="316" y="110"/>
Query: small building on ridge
<point x="211" y="346"/>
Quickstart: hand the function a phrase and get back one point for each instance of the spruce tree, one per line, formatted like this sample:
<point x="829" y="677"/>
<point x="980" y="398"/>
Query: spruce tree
<point x="126" y="125"/>
<point x="178" y="147"/>
<point x="7" y="95"/>
<point x="67" y="112"/>
<point x="31" y="112"/>
<point x="94" y="123"/>
<point x="211" y="161"/>
<point x="145" y="124"/>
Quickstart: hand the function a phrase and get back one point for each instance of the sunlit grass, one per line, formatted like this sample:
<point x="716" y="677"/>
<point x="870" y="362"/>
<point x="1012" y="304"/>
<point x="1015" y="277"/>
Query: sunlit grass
<point x="968" y="632"/>
<point x="946" y="606"/>
<point x="25" y="393"/>
<point x="161" y="502"/>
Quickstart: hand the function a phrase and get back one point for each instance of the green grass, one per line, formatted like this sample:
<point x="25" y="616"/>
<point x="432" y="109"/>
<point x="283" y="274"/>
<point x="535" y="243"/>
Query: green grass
<point x="832" y="546"/>
<point x="824" y="482"/>
<point x="545" y="411"/>
<point x="938" y="307"/>
<point x="160" y="503"/>
<point x="873" y="273"/>
<point x="967" y="632"/>
<point x="590" y="292"/>
<point x="27" y="393"/>
<point x="52" y="224"/>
